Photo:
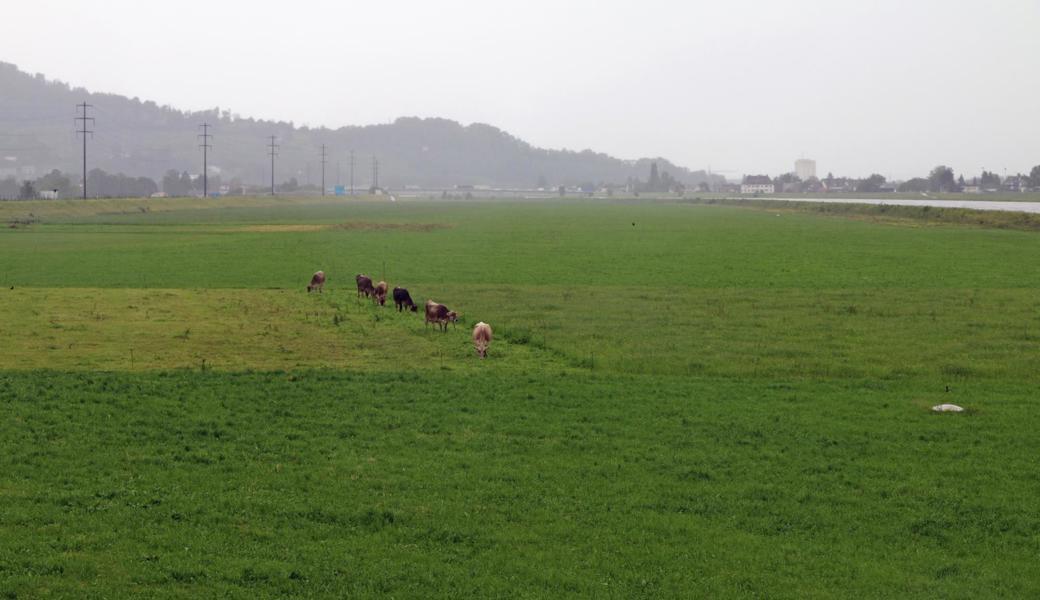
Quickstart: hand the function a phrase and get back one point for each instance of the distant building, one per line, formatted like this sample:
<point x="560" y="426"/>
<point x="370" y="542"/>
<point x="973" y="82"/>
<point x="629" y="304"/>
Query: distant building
<point x="757" y="184"/>
<point x="805" y="168"/>
<point x="839" y="184"/>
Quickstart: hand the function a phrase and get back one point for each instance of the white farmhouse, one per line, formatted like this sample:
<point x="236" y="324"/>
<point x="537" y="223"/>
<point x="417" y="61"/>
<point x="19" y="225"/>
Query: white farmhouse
<point x="757" y="184"/>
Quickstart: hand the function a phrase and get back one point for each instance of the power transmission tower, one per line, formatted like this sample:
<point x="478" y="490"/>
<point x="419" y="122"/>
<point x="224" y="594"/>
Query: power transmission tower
<point x="375" y="173"/>
<point x="273" y="151"/>
<point x="83" y="119"/>
<point x="351" y="172"/>
<point x="323" y="162"/>
<point x="205" y="145"/>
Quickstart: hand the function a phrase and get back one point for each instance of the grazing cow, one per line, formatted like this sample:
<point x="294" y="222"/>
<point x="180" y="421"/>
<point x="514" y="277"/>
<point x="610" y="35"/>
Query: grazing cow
<point x="364" y="286"/>
<point x="440" y="315"/>
<point x="482" y="338"/>
<point x="379" y="293"/>
<point x="403" y="300"/>
<point x="317" y="282"/>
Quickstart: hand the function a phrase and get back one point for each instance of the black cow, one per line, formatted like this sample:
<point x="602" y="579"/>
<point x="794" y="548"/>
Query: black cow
<point x="403" y="300"/>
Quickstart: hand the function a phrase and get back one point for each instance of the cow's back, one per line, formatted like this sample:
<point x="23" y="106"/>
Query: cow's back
<point x="482" y="333"/>
<point x="435" y="311"/>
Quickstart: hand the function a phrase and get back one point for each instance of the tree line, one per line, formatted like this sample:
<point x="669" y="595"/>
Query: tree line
<point x="101" y="184"/>
<point x="59" y="185"/>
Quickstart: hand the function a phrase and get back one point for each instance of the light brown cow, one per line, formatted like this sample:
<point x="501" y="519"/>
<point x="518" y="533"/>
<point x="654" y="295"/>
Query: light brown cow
<point x="439" y="314"/>
<point x="379" y="293"/>
<point x="317" y="282"/>
<point x="482" y="338"/>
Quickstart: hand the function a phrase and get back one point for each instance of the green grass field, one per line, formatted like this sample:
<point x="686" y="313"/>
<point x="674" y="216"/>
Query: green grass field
<point x="681" y="401"/>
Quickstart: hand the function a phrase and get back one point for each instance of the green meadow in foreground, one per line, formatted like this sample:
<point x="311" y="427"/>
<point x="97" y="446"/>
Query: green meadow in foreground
<point x="681" y="400"/>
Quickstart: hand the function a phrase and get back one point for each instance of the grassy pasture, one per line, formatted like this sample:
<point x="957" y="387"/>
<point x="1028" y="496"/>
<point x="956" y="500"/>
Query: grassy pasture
<point x="189" y="484"/>
<point x="681" y="400"/>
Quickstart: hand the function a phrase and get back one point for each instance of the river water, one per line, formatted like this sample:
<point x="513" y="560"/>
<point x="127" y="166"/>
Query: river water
<point x="1027" y="207"/>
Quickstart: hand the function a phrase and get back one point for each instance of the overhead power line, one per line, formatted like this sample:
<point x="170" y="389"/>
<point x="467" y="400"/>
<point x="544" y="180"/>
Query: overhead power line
<point x="323" y="163"/>
<point x="205" y="145"/>
<point x="83" y="127"/>
<point x="272" y="149"/>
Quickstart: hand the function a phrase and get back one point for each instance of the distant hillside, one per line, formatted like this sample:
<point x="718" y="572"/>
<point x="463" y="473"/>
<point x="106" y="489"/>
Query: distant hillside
<point x="142" y="138"/>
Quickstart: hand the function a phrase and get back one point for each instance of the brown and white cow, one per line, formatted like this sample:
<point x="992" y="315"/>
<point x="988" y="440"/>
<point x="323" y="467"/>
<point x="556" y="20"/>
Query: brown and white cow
<point x="440" y="315"/>
<point x="317" y="282"/>
<point x="403" y="300"/>
<point x="379" y="293"/>
<point x="364" y="286"/>
<point x="482" y="338"/>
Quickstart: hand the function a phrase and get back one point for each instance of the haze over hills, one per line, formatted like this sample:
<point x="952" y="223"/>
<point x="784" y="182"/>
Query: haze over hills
<point x="140" y="137"/>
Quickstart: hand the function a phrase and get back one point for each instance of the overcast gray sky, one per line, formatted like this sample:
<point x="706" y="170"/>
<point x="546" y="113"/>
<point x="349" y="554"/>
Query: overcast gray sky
<point x="747" y="86"/>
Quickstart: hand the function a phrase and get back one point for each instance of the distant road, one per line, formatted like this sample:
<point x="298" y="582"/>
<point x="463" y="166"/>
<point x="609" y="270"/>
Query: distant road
<point x="1026" y="207"/>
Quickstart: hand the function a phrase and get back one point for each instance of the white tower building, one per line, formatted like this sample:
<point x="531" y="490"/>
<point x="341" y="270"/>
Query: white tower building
<point x="805" y="168"/>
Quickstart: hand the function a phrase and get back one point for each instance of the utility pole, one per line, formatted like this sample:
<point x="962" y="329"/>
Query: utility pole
<point x="351" y="172"/>
<point x="323" y="162"/>
<point x="272" y="149"/>
<point x="205" y="135"/>
<point x="83" y="119"/>
<point x="375" y="173"/>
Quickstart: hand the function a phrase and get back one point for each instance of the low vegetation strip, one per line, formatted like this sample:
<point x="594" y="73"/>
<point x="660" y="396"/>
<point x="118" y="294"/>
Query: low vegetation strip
<point x="351" y="226"/>
<point x="58" y="210"/>
<point x="889" y="213"/>
<point x="137" y="329"/>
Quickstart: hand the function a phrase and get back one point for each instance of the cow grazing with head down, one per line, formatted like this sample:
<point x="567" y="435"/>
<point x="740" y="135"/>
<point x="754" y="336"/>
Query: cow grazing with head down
<point x="403" y="300"/>
<point x="379" y="293"/>
<point x="439" y="314"/>
<point x="317" y="282"/>
<point x="482" y="338"/>
<point x="364" y="286"/>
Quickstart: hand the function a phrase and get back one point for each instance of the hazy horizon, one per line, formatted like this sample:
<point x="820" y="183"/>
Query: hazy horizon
<point x="744" y="88"/>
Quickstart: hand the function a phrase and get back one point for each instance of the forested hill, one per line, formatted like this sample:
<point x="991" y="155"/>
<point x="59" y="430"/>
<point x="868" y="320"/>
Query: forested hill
<point x="142" y="138"/>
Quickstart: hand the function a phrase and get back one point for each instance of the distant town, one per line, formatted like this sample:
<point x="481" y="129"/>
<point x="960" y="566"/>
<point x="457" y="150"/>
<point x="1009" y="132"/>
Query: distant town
<point x="942" y="179"/>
